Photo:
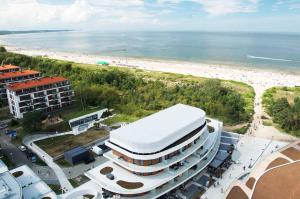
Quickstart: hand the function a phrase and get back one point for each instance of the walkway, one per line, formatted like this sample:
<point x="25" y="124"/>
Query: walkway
<point x="257" y="128"/>
<point x="29" y="142"/>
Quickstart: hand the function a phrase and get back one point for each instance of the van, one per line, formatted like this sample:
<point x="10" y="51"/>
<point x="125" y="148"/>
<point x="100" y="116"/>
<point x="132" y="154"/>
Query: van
<point x="97" y="150"/>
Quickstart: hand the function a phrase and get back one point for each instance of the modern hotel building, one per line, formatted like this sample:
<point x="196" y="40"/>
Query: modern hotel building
<point x="158" y="153"/>
<point x="48" y="93"/>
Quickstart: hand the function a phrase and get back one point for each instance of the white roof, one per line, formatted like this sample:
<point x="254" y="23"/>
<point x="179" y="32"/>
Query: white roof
<point x="3" y="167"/>
<point x="32" y="185"/>
<point x="155" y="132"/>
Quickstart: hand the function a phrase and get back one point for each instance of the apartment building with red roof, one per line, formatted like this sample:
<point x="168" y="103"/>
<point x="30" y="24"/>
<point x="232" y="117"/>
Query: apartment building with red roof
<point x="47" y="93"/>
<point x="15" y="76"/>
<point x="9" y="68"/>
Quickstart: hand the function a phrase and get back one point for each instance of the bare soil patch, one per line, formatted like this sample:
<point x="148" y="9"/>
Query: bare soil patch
<point x="237" y="193"/>
<point x="277" y="162"/>
<point x="250" y="182"/>
<point x="106" y="170"/>
<point x="279" y="183"/>
<point x="17" y="174"/>
<point x="292" y="153"/>
<point x="130" y="185"/>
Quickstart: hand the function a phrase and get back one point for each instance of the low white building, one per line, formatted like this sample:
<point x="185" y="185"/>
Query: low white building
<point x="83" y="123"/>
<point x="22" y="183"/>
<point x="158" y="153"/>
<point x="9" y="187"/>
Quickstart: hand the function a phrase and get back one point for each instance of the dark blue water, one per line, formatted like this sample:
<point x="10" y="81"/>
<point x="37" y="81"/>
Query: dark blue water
<point x="259" y="50"/>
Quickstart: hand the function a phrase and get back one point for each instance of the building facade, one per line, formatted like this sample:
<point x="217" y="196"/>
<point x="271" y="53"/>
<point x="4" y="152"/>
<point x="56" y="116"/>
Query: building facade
<point x="9" y="68"/>
<point x="156" y="154"/>
<point x="13" y="77"/>
<point x="48" y="94"/>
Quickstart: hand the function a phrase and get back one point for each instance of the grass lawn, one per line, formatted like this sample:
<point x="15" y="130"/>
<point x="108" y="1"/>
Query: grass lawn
<point x="57" y="145"/>
<point x="63" y="163"/>
<point x="120" y="118"/>
<point x="76" y="110"/>
<point x="76" y="182"/>
<point x="4" y="113"/>
<point x="56" y="188"/>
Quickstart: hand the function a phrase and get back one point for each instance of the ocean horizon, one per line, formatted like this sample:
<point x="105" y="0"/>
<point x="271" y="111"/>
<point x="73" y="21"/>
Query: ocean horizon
<point x="277" y="51"/>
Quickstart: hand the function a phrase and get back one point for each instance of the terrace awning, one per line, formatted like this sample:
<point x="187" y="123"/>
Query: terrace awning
<point x="222" y="155"/>
<point x="216" y="163"/>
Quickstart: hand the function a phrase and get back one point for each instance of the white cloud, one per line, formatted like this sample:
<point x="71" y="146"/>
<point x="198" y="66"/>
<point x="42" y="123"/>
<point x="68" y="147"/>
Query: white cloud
<point x="290" y="4"/>
<point x="221" y="7"/>
<point x="24" y="14"/>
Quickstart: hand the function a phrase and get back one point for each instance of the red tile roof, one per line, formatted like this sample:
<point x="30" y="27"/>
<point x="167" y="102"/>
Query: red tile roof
<point x="5" y="67"/>
<point x="35" y="83"/>
<point x="18" y="74"/>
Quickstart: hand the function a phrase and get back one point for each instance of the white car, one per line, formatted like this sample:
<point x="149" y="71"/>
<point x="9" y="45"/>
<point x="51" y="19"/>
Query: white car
<point x="22" y="148"/>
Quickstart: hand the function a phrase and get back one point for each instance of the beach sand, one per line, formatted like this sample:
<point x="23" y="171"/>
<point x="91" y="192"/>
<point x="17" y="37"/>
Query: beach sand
<point x="259" y="79"/>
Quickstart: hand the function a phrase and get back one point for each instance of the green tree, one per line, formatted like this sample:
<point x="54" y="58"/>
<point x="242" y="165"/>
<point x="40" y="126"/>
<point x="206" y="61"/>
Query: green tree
<point x="32" y="121"/>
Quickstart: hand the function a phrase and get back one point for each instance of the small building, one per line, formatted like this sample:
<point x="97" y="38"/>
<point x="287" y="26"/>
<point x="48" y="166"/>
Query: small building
<point x="48" y="94"/>
<point x="76" y="155"/>
<point x="9" y="68"/>
<point x="13" y="77"/>
<point x="83" y="123"/>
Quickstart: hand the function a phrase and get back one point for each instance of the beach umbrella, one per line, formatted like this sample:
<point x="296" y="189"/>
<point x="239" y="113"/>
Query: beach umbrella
<point x="105" y="63"/>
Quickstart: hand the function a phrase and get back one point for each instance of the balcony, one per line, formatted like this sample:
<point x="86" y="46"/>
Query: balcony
<point x="165" y="163"/>
<point x="179" y="179"/>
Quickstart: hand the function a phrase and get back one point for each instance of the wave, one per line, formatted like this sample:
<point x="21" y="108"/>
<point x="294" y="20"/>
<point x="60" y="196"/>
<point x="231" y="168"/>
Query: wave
<point x="269" y="58"/>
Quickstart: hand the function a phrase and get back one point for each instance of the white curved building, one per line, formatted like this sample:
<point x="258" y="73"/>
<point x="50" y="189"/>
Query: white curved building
<point x="156" y="154"/>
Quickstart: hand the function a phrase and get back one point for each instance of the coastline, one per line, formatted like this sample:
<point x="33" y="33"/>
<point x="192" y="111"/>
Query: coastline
<point x="257" y="78"/>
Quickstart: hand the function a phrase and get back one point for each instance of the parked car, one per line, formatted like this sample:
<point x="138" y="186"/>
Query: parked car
<point x="22" y="148"/>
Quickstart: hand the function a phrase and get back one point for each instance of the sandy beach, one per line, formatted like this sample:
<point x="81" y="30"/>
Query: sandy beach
<point x="259" y="79"/>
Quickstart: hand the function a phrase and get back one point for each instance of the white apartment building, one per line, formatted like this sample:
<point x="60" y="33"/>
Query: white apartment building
<point x="47" y="93"/>
<point x="13" y="77"/>
<point x="158" y="153"/>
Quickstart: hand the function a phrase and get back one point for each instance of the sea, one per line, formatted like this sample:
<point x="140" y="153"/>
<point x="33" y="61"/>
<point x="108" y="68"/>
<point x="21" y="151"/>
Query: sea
<point x="280" y="51"/>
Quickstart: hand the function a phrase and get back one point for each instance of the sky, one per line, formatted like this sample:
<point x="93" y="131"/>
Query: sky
<point x="153" y="15"/>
